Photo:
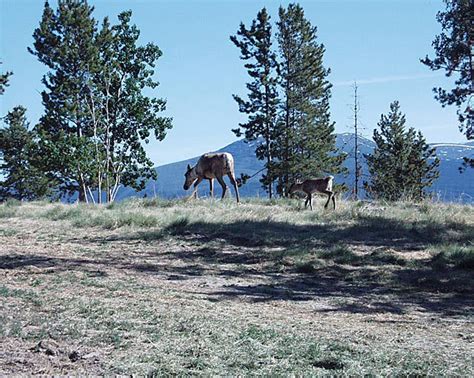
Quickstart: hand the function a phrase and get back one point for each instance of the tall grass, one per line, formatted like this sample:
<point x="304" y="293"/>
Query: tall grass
<point x="425" y="219"/>
<point x="454" y="255"/>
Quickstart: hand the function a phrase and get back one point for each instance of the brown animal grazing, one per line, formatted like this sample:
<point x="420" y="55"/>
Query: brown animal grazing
<point x="212" y="166"/>
<point x="310" y="186"/>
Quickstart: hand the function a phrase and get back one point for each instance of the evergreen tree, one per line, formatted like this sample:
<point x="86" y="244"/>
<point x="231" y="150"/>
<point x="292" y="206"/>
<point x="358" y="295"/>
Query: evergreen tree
<point x="96" y="114"/>
<point x="307" y="134"/>
<point x="22" y="179"/>
<point x="4" y="81"/>
<point x="454" y="49"/>
<point x="64" y="42"/>
<point x="402" y="164"/>
<point x="255" y="44"/>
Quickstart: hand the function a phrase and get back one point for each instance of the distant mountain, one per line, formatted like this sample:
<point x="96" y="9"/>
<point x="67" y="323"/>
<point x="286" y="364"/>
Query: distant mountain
<point x="451" y="186"/>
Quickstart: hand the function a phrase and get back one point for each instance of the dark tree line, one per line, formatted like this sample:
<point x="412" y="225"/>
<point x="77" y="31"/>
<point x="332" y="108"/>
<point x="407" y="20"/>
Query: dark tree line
<point x="402" y="164"/>
<point x="4" y="81"/>
<point x="255" y="44"/>
<point x="19" y="155"/>
<point x="20" y="160"/>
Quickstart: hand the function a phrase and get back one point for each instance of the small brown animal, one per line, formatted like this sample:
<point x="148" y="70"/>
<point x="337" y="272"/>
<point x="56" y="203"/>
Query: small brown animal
<point x="212" y="166"/>
<point x="310" y="186"/>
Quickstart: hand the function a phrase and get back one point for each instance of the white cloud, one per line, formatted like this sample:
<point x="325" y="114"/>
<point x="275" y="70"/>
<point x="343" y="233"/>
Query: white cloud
<point x="388" y="79"/>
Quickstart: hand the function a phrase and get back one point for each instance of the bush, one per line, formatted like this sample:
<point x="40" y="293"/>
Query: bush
<point x="456" y="256"/>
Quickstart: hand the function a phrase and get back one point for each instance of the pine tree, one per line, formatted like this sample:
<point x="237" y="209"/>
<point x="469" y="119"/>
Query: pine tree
<point x="402" y="164"/>
<point x="454" y="49"/>
<point x="4" y="77"/>
<point x="255" y="44"/>
<point x="307" y="134"/>
<point x="96" y="114"/>
<point x="22" y="179"/>
<point x="64" y="42"/>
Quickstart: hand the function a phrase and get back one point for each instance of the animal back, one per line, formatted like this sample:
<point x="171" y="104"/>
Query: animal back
<point x="212" y="165"/>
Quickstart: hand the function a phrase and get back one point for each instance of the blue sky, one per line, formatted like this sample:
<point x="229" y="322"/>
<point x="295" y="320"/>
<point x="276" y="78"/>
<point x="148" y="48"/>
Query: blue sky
<point x="377" y="43"/>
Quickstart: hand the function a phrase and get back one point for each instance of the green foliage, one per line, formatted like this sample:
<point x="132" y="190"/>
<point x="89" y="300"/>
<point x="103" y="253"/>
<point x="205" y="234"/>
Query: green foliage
<point x="255" y="46"/>
<point x="4" y="77"/>
<point x="64" y="42"/>
<point x="453" y="48"/>
<point x="129" y="117"/>
<point x="402" y="164"/>
<point x="288" y="101"/>
<point x="307" y="138"/>
<point x="22" y="179"/>
<point x="96" y="115"/>
<point x="454" y="255"/>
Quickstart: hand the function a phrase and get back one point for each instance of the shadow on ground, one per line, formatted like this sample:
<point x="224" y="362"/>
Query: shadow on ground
<point x="369" y="230"/>
<point x="372" y="283"/>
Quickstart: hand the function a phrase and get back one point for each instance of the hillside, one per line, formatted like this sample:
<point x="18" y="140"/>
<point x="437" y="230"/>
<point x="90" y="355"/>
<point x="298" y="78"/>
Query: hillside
<point x="212" y="288"/>
<point x="451" y="186"/>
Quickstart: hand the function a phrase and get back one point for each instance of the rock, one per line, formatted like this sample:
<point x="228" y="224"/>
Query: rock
<point x="93" y="355"/>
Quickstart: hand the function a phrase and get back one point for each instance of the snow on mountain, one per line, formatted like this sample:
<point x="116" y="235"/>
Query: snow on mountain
<point x="452" y="185"/>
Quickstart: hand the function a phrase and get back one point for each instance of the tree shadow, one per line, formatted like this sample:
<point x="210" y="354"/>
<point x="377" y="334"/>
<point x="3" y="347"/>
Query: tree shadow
<point x="62" y="264"/>
<point x="371" y="296"/>
<point x="346" y="274"/>
<point x="378" y="281"/>
<point x="370" y="230"/>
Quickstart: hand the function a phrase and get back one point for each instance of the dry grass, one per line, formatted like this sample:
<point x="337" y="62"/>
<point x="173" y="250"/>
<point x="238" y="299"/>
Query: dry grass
<point x="212" y="288"/>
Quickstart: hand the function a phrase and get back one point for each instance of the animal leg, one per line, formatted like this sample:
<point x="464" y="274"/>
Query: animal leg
<point x="310" y="198"/>
<point x="330" y="195"/>
<point x="194" y="193"/>
<point x="211" y="187"/>
<point x="224" y="186"/>
<point x="334" y="201"/>
<point x="234" y="183"/>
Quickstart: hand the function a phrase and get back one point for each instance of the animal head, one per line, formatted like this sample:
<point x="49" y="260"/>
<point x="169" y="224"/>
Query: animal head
<point x="190" y="177"/>
<point x="295" y="187"/>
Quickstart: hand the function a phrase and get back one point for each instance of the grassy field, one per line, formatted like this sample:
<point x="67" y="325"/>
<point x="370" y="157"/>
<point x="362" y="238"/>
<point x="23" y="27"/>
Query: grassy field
<point x="214" y="288"/>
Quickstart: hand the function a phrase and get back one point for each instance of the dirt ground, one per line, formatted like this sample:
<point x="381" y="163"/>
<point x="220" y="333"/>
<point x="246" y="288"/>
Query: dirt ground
<point x="210" y="299"/>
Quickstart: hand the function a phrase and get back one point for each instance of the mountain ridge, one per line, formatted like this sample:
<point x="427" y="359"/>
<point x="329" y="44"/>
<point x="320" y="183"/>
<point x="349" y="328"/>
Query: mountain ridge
<point x="452" y="185"/>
